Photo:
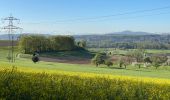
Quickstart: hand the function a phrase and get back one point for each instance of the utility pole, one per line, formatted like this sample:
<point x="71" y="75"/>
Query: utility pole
<point x="10" y="28"/>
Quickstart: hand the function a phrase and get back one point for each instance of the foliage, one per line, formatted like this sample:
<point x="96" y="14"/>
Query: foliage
<point x="98" y="59"/>
<point x="147" y="60"/>
<point x="124" y="61"/>
<point x="81" y="44"/>
<point x="158" y="60"/>
<point x="38" y="43"/>
<point x="138" y="54"/>
<point x="62" y="43"/>
<point x="120" y="41"/>
<point x="35" y="59"/>
<point x="108" y="63"/>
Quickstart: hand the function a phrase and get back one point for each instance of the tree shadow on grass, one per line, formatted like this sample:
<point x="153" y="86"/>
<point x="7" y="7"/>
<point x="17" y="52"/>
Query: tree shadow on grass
<point x="129" y="69"/>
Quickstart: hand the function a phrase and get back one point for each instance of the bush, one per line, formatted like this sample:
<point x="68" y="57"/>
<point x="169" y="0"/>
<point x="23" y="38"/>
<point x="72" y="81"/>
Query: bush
<point x="98" y="59"/>
<point x="158" y="60"/>
<point x="35" y="59"/>
<point x="108" y="63"/>
<point x="147" y="60"/>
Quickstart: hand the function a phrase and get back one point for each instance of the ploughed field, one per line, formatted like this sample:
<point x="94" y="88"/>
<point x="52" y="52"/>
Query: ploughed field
<point x="4" y="43"/>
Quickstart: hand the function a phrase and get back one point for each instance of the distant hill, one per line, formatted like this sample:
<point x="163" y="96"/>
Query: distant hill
<point x="129" y="33"/>
<point x="5" y="36"/>
<point x="16" y="36"/>
<point x="125" y="39"/>
<point x="124" y="36"/>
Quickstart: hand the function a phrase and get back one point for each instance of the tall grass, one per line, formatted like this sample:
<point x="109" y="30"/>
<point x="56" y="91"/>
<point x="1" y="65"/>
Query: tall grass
<point x="19" y="85"/>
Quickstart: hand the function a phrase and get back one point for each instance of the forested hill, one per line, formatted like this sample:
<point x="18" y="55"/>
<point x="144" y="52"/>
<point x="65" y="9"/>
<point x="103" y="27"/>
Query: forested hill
<point x="127" y="41"/>
<point x="124" y="40"/>
<point x="5" y="36"/>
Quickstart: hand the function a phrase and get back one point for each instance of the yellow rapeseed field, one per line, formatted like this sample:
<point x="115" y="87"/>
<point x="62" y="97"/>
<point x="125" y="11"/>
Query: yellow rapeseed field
<point x="31" y="84"/>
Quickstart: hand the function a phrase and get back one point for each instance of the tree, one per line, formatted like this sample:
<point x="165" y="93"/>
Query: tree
<point x="35" y="57"/>
<point x="62" y="43"/>
<point x="147" y="60"/>
<point x="30" y="43"/>
<point x="98" y="59"/>
<point x="108" y="63"/>
<point x="124" y="61"/>
<point x="158" y="60"/>
<point x="121" y="62"/>
<point x="81" y="44"/>
<point x="139" y="55"/>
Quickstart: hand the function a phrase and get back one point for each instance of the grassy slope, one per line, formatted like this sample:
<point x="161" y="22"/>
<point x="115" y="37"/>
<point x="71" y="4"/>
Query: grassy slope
<point x="80" y="54"/>
<point x="27" y="64"/>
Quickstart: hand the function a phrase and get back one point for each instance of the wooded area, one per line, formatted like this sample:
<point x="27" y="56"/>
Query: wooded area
<point x="38" y="43"/>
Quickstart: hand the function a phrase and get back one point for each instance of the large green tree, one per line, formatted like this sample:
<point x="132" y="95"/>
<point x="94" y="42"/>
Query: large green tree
<point x="99" y="59"/>
<point x="158" y="60"/>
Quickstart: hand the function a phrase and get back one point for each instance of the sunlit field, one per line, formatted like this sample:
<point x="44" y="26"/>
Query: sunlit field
<point x="49" y="80"/>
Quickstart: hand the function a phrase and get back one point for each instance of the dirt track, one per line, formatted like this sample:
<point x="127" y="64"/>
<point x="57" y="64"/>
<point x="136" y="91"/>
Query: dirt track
<point x="7" y="43"/>
<point x="71" y="60"/>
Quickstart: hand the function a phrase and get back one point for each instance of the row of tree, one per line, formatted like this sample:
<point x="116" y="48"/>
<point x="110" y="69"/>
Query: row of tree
<point x="139" y="57"/>
<point x="39" y="43"/>
<point x="129" y="45"/>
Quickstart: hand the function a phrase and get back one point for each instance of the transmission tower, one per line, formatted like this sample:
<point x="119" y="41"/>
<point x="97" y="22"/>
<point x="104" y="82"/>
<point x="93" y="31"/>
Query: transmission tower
<point x="10" y="28"/>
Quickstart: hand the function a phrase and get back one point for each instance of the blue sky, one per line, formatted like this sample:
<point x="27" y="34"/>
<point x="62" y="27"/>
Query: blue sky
<point x="60" y="16"/>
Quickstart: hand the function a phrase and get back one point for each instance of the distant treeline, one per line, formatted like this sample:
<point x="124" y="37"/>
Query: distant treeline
<point x="127" y="41"/>
<point x="126" y="45"/>
<point x="38" y="43"/>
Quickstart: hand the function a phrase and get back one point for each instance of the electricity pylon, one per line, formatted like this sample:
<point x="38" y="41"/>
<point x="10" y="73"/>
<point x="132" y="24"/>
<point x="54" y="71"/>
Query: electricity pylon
<point x="10" y="28"/>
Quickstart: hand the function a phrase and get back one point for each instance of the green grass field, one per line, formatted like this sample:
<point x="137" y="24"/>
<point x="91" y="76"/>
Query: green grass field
<point x="25" y="80"/>
<point x="119" y="51"/>
<point x="161" y="72"/>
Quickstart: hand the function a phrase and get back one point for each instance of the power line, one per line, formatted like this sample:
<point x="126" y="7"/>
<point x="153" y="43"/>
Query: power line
<point x="131" y="17"/>
<point x="96" y="20"/>
<point x="119" y="14"/>
<point x="10" y="27"/>
<point x="105" y="16"/>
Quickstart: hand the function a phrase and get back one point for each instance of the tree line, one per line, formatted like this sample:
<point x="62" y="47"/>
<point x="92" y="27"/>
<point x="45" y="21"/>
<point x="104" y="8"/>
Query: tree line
<point x="129" y="45"/>
<point x="38" y="43"/>
<point x="155" y="41"/>
<point x="139" y="57"/>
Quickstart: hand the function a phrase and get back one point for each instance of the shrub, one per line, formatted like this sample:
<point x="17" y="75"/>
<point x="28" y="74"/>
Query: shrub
<point x="158" y="60"/>
<point x="98" y="59"/>
<point x="147" y="60"/>
<point x="35" y="59"/>
<point x="108" y="63"/>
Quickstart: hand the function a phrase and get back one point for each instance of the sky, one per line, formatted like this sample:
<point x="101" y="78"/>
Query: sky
<point x="88" y="16"/>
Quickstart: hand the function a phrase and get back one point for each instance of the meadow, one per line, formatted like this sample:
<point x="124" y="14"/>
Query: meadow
<point x="26" y="63"/>
<point x="124" y="51"/>
<point x="51" y="80"/>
